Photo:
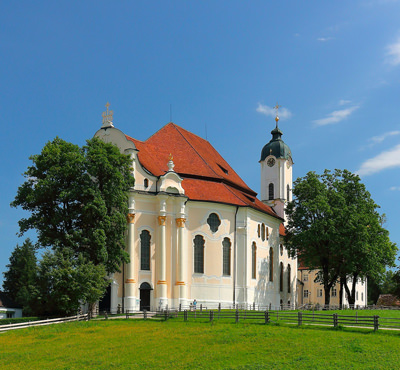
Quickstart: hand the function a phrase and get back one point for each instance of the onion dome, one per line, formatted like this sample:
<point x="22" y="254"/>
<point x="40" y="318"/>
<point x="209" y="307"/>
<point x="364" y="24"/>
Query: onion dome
<point x="276" y="146"/>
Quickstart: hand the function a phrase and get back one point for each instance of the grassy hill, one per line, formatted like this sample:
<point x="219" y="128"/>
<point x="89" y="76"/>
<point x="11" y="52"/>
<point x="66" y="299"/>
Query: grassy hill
<point x="137" y="344"/>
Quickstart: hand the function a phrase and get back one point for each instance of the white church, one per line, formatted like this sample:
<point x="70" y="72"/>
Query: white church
<point x="196" y="231"/>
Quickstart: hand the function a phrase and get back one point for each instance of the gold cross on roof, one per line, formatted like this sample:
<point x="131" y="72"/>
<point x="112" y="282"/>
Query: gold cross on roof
<point x="277" y="106"/>
<point x="108" y="115"/>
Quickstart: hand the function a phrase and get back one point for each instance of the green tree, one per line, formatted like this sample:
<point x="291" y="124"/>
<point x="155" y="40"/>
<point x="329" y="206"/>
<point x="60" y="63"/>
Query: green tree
<point x="334" y="226"/>
<point x="385" y="283"/>
<point x="78" y="201"/>
<point x="64" y="283"/>
<point x="20" y="277"/>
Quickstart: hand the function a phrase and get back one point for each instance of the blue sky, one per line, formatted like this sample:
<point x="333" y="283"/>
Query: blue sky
<point x="334" y="67"/>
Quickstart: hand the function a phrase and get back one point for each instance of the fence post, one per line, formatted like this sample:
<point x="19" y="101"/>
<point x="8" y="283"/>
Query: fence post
<point x="165" y="315"/>
<point x="201" y="307"/>
<point x="211" y="316"/>
<point x="144" y="314"/>
<point x="105" y="315"/>
<point x="185" y="315"/>
<point x="237" y="316"/>
<point x="266" y="317"/>
<point x="376" y="323"/>
<point x="300" y="318"/>
<point x="219" y="307"/>
<point x="180" y="307"/>
<point x="335" y="320"/>
<point x="127" y="313"/>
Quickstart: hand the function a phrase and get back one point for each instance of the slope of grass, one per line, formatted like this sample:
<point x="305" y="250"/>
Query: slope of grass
<point x="137" y="344"/>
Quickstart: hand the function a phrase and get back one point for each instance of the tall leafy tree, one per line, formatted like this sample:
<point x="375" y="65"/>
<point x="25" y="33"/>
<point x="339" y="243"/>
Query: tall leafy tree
<point x="334" y="226"/>
<point x="77" y="199"/>
<point x="64" y="283"/>
<point x="20" y="277"/>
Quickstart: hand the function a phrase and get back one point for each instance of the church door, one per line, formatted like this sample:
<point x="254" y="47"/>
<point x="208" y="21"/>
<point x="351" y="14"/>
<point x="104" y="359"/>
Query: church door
<point x="145" y="289"/>
<point x="105" y="302"/>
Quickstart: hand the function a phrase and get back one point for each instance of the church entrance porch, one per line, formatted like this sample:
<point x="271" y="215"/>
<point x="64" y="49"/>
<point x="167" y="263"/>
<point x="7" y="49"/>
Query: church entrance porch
<point x="145" y="289"/>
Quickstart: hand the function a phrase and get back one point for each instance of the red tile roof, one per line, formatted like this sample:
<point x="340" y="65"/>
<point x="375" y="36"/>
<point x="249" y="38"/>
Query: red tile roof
<point x="207" y="176"/>
<point x="282" y="229"/>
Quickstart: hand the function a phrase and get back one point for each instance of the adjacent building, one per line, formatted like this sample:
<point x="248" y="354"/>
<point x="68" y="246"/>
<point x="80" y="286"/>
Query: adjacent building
<point x="312" y="294"/>
<point x="8" y="308"/>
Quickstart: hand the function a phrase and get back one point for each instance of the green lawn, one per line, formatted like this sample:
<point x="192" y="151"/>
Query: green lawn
<point x="138" y="344"/>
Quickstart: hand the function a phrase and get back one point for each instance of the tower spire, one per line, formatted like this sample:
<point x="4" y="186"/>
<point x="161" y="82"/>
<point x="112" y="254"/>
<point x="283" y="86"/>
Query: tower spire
<point x="277" y="106"/>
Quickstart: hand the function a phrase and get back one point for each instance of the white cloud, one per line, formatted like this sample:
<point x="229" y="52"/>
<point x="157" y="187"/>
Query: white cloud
<point x="344" y="102"/>
<point x="393" y="53"/>
<point x="336" y="116"/>
<point x="395" y="188"/>
<point x="325" y="39"/>
<point x="271" y="112"/>
<point x="378" y="139"/>
<point x="383" y="161"/>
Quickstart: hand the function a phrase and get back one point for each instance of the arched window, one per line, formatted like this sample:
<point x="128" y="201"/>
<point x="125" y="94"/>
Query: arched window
<point x="262" y="232"/>
<point x="271" y="264"/>
<point x="281" y="277"/>
<point x="146" y="183"/>
<point x="287" y="192"/>
<point x="259" y="230"/>
<point x="289" y="278"/>
<point x="214" y="222"/>
<point x="199" y="254"/>
<point x="271" y="191"/>
<point x="145" y="250"/>
<point x="226" y="257"/>
<point x="254" y="261"/>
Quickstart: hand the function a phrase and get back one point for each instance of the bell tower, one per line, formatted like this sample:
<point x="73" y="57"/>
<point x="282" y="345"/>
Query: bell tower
<point x="276" y="171"/>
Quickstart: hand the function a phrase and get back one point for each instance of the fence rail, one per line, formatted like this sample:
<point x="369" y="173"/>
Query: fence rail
<point x="300" y="318"/>
<point x="29" y="324"/>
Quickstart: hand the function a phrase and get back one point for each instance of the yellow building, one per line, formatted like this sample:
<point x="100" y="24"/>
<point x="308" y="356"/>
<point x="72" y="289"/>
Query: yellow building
<point x="196" y="230"/>
<point x="310" y="293"/>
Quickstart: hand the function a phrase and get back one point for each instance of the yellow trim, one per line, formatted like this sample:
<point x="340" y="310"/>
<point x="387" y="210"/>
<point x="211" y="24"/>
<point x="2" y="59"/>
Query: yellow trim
<point x="130" y="218"/>
<point x="130" y="281"/>
<point x="161" y="220"/>
<point x="180" y="222"/>
<point x="161" y="282"/>
<point x="180" y="283"/>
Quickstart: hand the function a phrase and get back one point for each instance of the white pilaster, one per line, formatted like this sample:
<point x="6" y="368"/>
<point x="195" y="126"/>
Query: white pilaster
<point x="182" y="261"/>
<point x="130" y="299"/>
<point x="162" y="254"/>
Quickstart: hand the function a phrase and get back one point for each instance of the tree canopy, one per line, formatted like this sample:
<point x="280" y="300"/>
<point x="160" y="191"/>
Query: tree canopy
<point x="77" y="199"/>
<point x="334" y="226"/>
<point x="20" y="277"/>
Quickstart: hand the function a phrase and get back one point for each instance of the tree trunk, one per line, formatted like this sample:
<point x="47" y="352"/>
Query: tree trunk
<point x="349" y="296"/>
<point x="342" y="282"/>
<point x="327" y="291"/>
<point x="353" y="289"/>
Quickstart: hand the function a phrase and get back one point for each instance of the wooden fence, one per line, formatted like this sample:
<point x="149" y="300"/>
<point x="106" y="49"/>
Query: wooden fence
<point x="29" y="324"/>
<point x="298" y="318"/>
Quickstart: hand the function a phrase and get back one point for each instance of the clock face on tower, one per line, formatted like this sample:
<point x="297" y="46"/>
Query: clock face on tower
<point x="271" y="162"/>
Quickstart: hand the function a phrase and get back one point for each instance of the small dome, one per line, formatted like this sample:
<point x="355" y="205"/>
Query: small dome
<point x="276" y="147"/>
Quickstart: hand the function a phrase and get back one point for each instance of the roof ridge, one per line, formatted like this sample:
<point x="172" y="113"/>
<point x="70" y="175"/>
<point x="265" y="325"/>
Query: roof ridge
<point x="223" y="180"/>
<point x="229" y="188"/>
<point x="176" y="128"/>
